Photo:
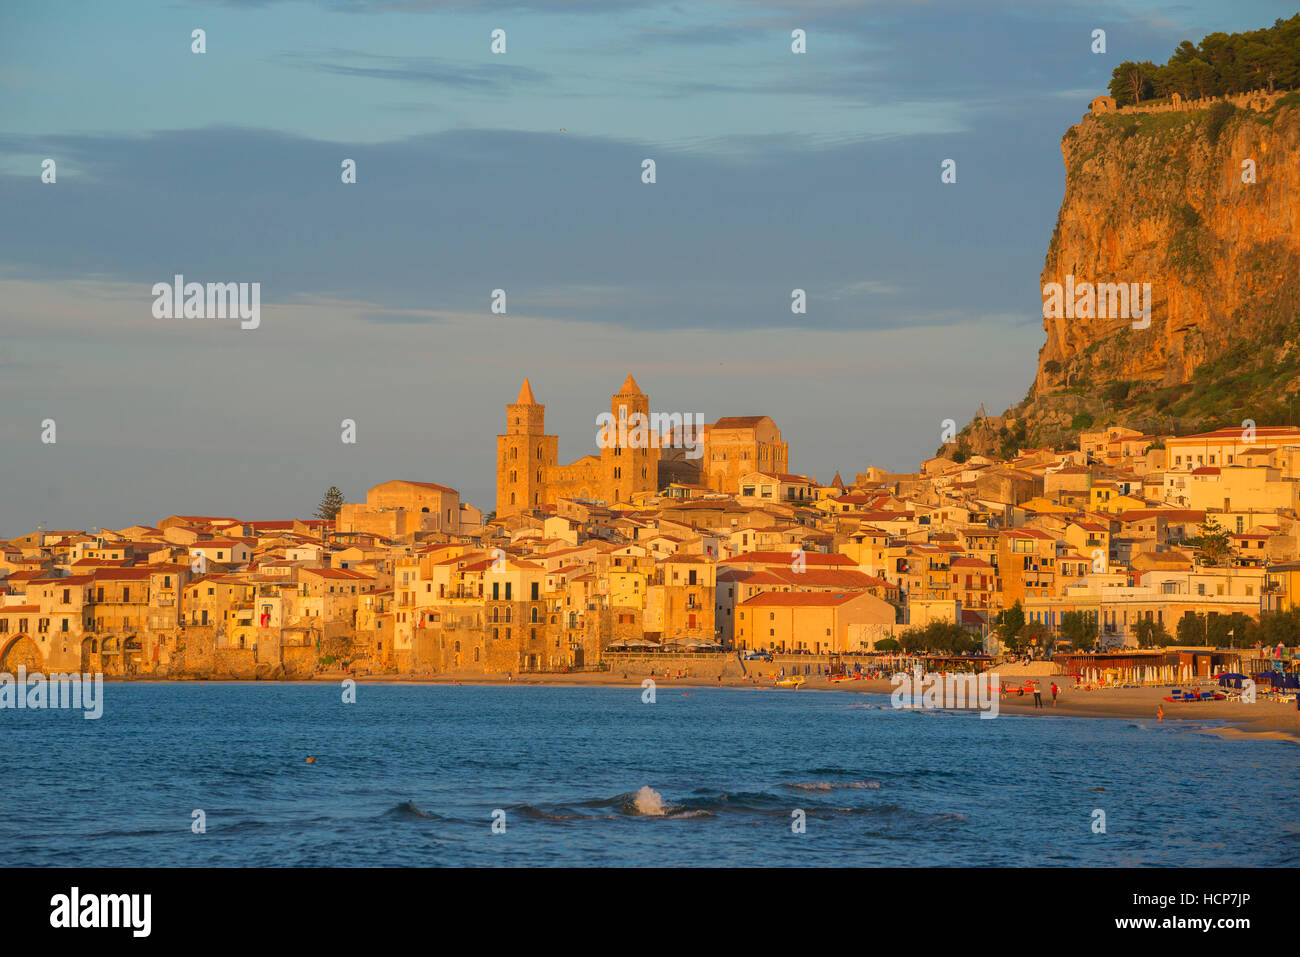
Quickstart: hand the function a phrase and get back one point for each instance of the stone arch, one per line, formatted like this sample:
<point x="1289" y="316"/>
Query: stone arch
<point x="89" y="656"/>
<point x="20" y="651"/>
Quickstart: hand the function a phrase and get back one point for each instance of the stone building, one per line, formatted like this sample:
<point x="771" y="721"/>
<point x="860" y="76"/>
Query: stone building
<point x="400" y="509"/>
<point x="738" y="445"/>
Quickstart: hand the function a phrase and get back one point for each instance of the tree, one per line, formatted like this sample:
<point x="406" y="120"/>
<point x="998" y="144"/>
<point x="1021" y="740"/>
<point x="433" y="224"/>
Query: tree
<point x="1279" y="627"/>
<point x="1213" y="544"/>
<point x="1010" y="621"/>
<point x="330" y="504"/>
<point x="888" y="644"/>
<point x="1221" y="64"/>
<point x="1192" y="629"/>
<point x="1080" y="628"/>
<point x="1151" y="633"/>
<point x="1132" y="82"/>
<point x="1035" y="633"/>
<point x="1235" y="629"/>
<point x="938" y="636"/>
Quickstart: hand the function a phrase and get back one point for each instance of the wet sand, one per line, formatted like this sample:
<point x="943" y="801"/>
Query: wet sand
<point x="1261" y="720"/>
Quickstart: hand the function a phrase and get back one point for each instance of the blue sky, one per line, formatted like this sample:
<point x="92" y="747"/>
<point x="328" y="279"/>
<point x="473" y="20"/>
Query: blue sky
<point x="520" y="171"/>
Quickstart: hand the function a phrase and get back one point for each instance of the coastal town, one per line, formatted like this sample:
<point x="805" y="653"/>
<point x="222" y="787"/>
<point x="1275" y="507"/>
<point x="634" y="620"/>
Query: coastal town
<point x="698" y="544"/>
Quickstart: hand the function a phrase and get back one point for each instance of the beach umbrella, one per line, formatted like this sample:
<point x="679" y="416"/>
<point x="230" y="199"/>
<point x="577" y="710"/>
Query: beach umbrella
<point x="634" y="643"/>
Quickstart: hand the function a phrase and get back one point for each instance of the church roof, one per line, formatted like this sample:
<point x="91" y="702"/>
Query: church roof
<point x="630" y="387"/>
<point x="526" y="395"/>
<point x="738" y="421"/>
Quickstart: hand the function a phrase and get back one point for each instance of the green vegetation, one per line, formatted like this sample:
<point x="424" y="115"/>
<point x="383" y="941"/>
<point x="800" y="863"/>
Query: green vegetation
<point x="1222" y="63"/>
<point x="1233" y="630"/>
<point x="1185" y="253"/>
<point x="1256" y="378"/>
<point x="1186" y="214"/>
<point x="330" y="503"/>
<point x="1219" y="114"/>
<point x="1117" y="392"/>
<point x="1035" y="633"/>
<point x="1080" y="629"/>
<point x="1151" y="634"/>
<point x="940" y="637"/>
<point x="1010" y="623"/>
<point x="1213" y="546"/>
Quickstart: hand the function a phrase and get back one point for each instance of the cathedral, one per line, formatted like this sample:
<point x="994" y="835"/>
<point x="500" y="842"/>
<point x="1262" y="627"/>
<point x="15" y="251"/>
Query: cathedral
<point x="530" y="477"/>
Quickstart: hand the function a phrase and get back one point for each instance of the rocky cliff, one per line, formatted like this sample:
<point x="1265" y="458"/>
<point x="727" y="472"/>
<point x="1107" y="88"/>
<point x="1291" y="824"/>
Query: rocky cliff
<point x="1163" y="196"/>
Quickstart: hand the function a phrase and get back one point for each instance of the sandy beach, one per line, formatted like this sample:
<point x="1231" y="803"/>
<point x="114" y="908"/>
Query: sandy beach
<point x="1261" y="720"/>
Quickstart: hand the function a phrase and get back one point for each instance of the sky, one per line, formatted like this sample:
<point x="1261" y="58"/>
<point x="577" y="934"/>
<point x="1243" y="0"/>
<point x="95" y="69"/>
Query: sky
<point x="520" y="171"/>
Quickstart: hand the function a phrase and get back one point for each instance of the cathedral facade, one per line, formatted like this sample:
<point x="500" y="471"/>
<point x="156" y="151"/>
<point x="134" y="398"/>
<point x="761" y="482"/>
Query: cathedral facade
<point x="529" y="475"/>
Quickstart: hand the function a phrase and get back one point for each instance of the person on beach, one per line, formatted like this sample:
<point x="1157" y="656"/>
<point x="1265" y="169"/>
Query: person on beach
<point x="1055" y="692"/>
<point x="1160" y="712"/>
<point x="1038" y="696"/>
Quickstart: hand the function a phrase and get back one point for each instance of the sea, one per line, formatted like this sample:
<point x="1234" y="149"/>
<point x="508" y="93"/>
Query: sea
<point x="209" y="774"/>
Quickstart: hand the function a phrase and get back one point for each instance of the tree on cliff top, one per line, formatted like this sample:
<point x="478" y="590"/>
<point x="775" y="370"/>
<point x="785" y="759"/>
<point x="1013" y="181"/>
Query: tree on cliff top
<point x="1223" y="63"/>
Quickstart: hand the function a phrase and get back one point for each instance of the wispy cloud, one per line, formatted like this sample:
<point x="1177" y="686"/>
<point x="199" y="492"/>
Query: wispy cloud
<point x="427" y="71"/>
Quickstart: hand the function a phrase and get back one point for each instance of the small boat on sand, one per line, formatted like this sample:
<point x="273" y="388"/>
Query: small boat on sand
<point x="792" y="682"/>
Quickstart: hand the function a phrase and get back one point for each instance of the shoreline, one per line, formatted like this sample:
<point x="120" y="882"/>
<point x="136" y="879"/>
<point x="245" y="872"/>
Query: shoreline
<point x="1263" y="720"/>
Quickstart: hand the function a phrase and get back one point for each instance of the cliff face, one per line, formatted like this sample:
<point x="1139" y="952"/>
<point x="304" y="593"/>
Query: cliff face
<point x="1158" y="197"/>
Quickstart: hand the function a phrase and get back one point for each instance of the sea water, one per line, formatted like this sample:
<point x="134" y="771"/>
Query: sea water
<point x="215" y="774"/>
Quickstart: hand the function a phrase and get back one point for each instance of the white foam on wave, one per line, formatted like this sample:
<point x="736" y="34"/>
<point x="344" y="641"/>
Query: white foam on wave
<point x="830" y="786"/>
<point x="648" y="801"/>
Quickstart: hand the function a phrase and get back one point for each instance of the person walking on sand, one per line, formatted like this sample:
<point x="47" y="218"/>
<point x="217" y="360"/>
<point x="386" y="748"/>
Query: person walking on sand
<point x="1055" y="692"/>
<point x="1038" y="696"/>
